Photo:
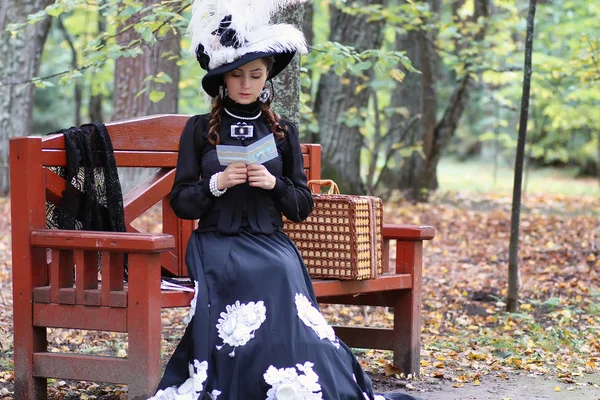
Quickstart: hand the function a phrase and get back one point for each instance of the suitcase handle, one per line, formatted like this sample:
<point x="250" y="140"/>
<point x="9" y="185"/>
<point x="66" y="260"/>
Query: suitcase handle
<point x="324" y="182"/>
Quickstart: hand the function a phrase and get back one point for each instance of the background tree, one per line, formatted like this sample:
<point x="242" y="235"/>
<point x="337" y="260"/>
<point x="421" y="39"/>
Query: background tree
<point x="96" y="97"/>
<point x="74" y="65"/>
<point x="513" y="262"/>
<point x="148" y="82"/>
<point x="417" y="98"/>
<point x="287" y="84"/>
<point x="418" y="176"/>
<point x="19" y="64"/>
<point x="339" y="95"/>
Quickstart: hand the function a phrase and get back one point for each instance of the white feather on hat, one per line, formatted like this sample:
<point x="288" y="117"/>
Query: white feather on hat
<point x="249" y="23"/>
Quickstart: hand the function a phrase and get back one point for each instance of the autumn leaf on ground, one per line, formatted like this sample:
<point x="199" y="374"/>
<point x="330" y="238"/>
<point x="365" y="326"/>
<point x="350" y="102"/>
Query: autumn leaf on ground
<point x="389" y="370"/>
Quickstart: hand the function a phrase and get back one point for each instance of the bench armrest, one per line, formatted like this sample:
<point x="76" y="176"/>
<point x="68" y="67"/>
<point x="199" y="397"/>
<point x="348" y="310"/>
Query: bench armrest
<point x="129" y="242"/>
<point x="408" y="232"/>
<point x="408" y="254"/>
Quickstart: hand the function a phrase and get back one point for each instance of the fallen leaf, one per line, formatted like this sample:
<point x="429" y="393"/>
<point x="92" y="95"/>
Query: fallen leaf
<point x="390" y="370"/>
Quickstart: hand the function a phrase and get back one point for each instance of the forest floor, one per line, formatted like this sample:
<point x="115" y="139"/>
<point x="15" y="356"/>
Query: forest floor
<point x="471" y="348"/>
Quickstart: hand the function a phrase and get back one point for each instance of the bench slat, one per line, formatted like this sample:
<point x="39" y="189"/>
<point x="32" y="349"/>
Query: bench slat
<point x="147" y="194"/>
<point x="80" y="317"/>
<point x="61" y="272"/>
<point x="323" y="289"/>
<point x="155" y="132"/>
<point x="387" y="298"/>
<point x="89" y="297"/>
<point x="54" y="186"/>
<point x="111" y="241"/>
<point x="366" y="338"/>
<point x="123" y="158"/>
<point x="86" y="274"/>
<point x="112" y="276"/>
<point x="87" y="368"/>
<point x="148" y="159"/>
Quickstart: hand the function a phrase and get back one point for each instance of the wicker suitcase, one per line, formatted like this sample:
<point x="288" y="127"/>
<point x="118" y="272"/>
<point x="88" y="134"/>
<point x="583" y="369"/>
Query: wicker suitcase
<point x="342" y="238"/>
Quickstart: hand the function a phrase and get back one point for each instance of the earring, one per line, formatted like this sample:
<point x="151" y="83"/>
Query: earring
<point x="222" y="92"/>
<point x="264" y="95"/>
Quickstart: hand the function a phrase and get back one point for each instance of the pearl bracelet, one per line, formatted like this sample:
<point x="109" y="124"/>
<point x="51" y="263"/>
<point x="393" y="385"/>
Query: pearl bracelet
<point x="213" y="186"/>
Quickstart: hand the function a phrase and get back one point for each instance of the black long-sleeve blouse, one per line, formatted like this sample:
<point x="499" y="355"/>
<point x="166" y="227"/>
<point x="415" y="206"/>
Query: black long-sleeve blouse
<point x="242" y="206"/>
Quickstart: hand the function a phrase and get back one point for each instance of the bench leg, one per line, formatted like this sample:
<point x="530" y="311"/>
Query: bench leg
<point x="28" y="340"/>
<point x="144" y="330"/>
<point x="407" y="310"/>
<point x="407" y="332"/>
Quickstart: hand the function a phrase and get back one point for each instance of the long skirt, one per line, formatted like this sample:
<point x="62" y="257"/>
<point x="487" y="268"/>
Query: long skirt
<point x="254" y="330"/>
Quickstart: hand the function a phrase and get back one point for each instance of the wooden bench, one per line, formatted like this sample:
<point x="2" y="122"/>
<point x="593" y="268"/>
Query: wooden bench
<point x="55" y="278"/>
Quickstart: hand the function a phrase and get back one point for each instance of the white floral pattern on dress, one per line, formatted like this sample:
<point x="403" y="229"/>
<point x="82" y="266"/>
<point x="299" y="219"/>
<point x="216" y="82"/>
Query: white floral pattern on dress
<point x="170" y="393"/>
<point x="315" y="320"/>
<point x="198" y="373"/>
<point x="191" y="388"/>
<point x="190" y="315"/>
<point x="237" y="325"/>
<point x="287" y="384"/>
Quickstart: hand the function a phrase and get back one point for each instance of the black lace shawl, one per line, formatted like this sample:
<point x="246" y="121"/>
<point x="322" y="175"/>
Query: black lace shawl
<point x="92" y="199"/>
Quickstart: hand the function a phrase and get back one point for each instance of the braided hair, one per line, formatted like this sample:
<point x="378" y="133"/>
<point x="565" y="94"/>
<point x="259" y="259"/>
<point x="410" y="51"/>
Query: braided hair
<point x="214" y="125"/>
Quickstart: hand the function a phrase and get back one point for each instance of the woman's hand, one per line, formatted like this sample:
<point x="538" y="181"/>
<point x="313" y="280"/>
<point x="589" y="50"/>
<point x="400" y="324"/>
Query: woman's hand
<point x="234" y="174"/>
<point x="259" y="176"/>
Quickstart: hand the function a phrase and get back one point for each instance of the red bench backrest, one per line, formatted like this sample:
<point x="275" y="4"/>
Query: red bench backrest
<point x="149" y="142"/>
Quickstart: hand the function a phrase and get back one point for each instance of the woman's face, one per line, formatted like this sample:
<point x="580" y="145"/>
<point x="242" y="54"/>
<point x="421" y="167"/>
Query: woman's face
<point x="245" y="83"/>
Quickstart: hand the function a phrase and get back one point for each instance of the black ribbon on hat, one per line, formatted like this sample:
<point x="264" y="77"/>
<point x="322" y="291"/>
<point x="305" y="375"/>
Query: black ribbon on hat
<point x="202" y="57"/>
<point x="228" y="35"/>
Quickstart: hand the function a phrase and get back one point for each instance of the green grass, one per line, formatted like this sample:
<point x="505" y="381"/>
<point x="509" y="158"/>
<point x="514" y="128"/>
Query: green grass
<point x="478" y="176"/>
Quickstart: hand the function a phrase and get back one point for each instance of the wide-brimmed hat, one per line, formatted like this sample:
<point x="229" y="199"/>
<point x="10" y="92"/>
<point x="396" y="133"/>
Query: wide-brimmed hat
<point x="228" y="34"/>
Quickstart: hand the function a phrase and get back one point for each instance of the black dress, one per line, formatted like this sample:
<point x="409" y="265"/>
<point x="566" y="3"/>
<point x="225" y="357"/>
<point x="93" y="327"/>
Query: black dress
<point x="254" y="330"/>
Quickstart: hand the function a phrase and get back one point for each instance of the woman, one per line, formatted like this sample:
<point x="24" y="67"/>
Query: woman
<point x="254" y="330"/>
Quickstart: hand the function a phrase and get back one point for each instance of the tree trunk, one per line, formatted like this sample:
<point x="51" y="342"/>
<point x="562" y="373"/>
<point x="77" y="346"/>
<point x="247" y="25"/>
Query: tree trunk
<point x="307" y="22"/>
<point x="512" y="298"/>
<point x="95" y="103"/>
<point x="286" y="85"/>
<point x="19" y="63"/>
<point x="74" y="66"/>
<point x="95" y="108"/>
<point x="426" y="175"/>
<point x="307" y="29"/>
<point x="130" y="74"/>
<point x="342" y="144"/>
<point x="422" y="176"/>
<point x="418" y="95"/>
<point x="598" y="159"/>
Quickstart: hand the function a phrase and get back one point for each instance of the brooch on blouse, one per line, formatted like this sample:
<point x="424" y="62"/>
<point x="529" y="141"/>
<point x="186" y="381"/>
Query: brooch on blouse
<point x="242" y="130"/>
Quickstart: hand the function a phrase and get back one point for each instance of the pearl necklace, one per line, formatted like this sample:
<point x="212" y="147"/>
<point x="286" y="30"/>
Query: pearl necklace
<point x="243" y="118"/>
